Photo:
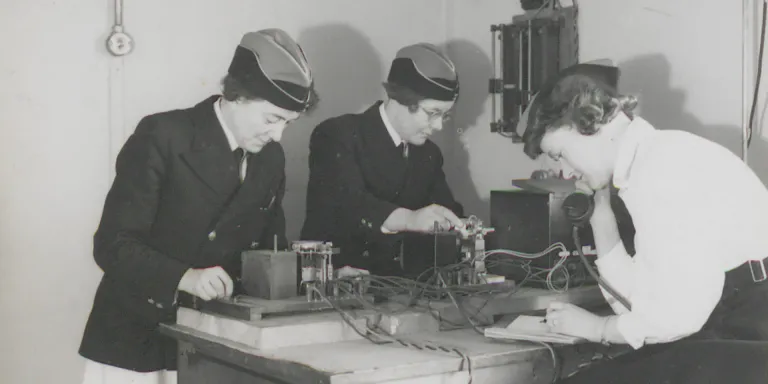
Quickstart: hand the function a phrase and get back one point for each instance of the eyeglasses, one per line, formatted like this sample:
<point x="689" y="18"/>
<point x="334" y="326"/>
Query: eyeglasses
<point x="433" y="116"/>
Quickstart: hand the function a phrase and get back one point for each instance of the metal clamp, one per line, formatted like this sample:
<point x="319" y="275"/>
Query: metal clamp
<point x="758" y="266"/>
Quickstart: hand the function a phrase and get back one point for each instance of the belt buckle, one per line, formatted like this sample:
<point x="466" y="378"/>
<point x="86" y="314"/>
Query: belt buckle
<point x="758" y="269"/>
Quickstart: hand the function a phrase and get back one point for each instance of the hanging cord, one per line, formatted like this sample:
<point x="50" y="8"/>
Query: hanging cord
<point x="759" y="75"/>
<point x="575" y="31"/>
<point x="118" y="12"/>
<point x="594" y="274"/>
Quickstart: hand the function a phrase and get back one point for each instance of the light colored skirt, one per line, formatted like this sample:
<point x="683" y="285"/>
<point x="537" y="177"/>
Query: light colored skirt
<point x="97" y="373"/>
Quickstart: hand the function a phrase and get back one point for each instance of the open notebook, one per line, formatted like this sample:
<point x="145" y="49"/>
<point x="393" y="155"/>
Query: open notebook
<point x="530" y="328"/>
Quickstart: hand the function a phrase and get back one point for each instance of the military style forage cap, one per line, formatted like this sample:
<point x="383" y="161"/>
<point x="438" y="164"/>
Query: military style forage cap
<point x="426" y="70"/>
<point x="602" y="71"/>
<point x="272" y="64"/>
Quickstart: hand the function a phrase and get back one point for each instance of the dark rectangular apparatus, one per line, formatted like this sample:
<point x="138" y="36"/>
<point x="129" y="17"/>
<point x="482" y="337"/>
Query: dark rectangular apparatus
<point x="533" y="48"/>
<point x="530" y="221"/>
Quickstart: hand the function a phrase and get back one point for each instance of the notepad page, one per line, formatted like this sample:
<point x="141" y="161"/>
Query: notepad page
<point x="530" y="328"/>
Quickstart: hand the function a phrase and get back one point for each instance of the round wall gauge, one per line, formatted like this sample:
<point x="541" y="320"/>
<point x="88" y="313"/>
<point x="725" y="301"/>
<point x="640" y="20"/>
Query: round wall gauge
<point x="119" y="43"/>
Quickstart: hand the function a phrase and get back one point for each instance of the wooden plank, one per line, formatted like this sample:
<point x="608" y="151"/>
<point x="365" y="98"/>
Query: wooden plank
<point x="361" y="361"/>
<point x="252" y="308"/>
<point x="297" y="304"/>
<point x="239" y="355"/>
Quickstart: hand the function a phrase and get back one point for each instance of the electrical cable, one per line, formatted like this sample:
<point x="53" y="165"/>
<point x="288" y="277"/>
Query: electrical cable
<point x="556" y="366"/>
<point x="594" y="274"/>
<point x="386" y="338"/>
<point x="759" y="76"/>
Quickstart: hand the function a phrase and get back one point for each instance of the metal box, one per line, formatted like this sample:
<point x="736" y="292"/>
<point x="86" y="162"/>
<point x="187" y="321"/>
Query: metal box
<point x="268" y="274"/>
<point x="533" y="48"/>
<point x="530" y="221"/>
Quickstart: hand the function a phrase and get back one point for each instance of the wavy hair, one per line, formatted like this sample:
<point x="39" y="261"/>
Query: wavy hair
<point x="577" y="101"/>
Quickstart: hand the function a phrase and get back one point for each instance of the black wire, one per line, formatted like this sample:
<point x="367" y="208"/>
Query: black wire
<point x="594" y="275"/>
<point x="759" y="75"/>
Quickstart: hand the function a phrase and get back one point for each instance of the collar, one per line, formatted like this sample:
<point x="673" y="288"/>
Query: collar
<point x="638" y="131"/>
<point x="396" y="139"/>
<point x="227" y="132"/>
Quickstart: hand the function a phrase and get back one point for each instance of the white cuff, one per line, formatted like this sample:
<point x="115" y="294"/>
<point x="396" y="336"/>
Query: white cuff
<point x="386" y="231"/>
<point x="630" y="327"/>
<point x="616" y="259"/>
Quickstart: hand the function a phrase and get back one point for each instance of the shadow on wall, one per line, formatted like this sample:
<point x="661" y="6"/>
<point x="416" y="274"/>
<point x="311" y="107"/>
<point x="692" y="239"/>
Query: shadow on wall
<point x="347" y="70"/>
<point x="474" y="69"/>
<point x="648" y="77"/>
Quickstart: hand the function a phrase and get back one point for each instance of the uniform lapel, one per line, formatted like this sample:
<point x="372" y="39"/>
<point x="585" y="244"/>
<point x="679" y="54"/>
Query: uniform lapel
<point x="387" y="159"/>
<point x="255" y="189"/>
<point x="210" y="156"/>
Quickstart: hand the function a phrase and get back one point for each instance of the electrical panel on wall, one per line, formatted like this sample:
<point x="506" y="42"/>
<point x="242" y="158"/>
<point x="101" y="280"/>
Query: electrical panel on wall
<point x="535" y="46"/>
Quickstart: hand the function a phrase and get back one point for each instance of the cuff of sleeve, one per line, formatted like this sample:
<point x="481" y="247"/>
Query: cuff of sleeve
<point x="386" y="231"/>
<point x="630" y="327"/>
<point x="373" y="220"/>
<point x="163" y="294"/>
<point x="614" y="259"/>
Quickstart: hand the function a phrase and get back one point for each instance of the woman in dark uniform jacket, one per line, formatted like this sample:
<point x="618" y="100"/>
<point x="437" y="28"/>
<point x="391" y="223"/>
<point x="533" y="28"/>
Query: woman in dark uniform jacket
<point x="193" y="189"/>
<point x="376" y="180"/>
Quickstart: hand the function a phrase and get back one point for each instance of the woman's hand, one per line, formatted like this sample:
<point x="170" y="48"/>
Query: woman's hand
<point x="571" y="320"/>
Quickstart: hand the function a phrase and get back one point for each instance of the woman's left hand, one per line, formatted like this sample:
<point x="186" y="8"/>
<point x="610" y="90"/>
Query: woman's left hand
<point x="571" y="320"/>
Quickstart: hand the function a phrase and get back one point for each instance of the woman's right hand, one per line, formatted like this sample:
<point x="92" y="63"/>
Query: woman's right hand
<point x="207" y="284"/>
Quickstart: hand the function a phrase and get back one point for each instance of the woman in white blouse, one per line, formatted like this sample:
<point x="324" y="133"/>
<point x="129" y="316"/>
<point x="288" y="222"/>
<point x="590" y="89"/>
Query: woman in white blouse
<point x="696" y="295"/>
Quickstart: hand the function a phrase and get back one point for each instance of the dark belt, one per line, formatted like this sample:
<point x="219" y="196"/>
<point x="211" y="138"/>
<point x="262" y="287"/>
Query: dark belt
<point x="752" y="271"/>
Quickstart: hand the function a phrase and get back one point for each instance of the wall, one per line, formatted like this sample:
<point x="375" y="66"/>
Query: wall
<point x="54" y="144"/>
<point x="758" y="153"/>
<point x="71" y="106"/>
<point x="67" y="106"/>
<point x="684" y="65"/>
<point x="347" y="51"/>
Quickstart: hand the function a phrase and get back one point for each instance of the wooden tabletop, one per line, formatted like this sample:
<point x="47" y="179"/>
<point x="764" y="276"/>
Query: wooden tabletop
<point x="361" y="361"/>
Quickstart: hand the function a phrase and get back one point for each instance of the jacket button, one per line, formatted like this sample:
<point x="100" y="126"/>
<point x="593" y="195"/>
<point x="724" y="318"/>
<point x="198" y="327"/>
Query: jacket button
<point x="366" y="253"/>
<point x="254" y="245"/>
<point x="212" y="235"/>
<point x="150" y="301"/>
<point x="159" y="306"/>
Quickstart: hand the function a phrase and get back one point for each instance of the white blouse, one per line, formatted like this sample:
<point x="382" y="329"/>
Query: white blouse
<point x="698" y="211"/>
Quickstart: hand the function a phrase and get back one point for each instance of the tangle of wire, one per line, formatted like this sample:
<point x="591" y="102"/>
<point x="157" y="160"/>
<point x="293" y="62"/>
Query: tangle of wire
<point x="377" y="335"/>
<point x="432" y="285"/>
<point x="559" y="266"/>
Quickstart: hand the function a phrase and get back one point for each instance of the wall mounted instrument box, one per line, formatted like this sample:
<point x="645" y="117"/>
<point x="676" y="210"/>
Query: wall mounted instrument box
<point x="531" y="220"/>
<point x="533" y="48"/>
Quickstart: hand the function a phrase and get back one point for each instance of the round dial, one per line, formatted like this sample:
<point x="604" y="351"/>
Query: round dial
<point x="119" y="43"/>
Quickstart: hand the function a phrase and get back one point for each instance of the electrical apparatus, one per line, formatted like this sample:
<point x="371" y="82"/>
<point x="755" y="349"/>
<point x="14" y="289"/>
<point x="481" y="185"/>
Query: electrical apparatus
<point x="578" y="208"/>
<point x="269" y="281"/>
<point x="532" y="218"/>
<point x="470" y="244"/>
<point x="533" y="48"/>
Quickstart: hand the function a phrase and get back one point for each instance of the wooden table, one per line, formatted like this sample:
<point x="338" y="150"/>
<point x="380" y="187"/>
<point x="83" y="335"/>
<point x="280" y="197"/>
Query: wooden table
<point x="206" y="357"/>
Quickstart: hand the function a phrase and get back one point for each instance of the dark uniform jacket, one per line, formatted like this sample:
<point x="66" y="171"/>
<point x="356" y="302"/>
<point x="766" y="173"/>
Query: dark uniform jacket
<point x="357" y="178"/>
<point x="176" y="203"/>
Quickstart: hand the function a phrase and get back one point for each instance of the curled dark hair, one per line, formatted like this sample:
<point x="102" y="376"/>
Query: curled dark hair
<point x="577" y="101"/>
<point x="233" y="89"/>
